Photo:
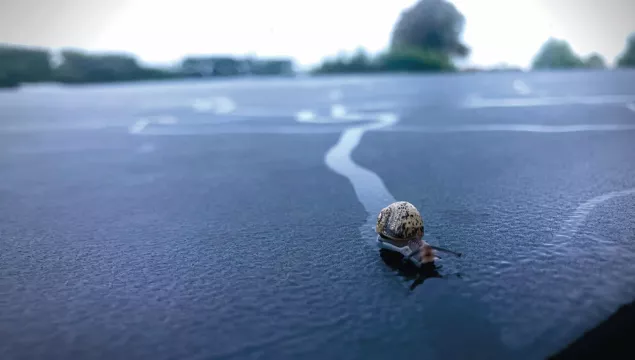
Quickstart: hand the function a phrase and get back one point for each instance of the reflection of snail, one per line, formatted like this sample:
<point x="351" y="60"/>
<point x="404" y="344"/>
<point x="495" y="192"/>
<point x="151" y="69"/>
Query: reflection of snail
<point x="409" y="270"/>
<point x="400" y="229"/>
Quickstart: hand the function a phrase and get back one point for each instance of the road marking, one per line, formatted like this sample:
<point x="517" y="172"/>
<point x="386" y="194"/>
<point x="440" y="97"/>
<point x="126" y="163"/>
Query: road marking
<point x="338" y="114"/>
<point x="305" y="116"/>
<point x="514" y="128"/>
<point x="368" y="186"/>
<point x="563" y="246"/>
<point x="224" y="105"/>
<point x="474" y="102"/>
<point x="201" y="105"/>
<point x="579" y="216"/>
<point x="219" y="105"/>
<point x="138" y="127"/>
<point x="338" y="111"/>
<point x="521" y="87"/>
<point x="631" y="106"/>
<point x="142" y="123"/>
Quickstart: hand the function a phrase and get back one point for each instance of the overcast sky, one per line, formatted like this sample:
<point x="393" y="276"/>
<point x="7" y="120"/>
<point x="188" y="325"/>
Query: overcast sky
<point x="509" y="31"/>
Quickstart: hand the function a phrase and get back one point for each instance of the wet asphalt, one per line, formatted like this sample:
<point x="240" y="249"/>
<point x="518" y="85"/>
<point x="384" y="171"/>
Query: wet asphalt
<point x="220" y="233"/>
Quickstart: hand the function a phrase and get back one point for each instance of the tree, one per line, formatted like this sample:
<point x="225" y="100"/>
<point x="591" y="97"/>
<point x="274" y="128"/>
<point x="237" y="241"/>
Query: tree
<point x="627" y="58"/>
<point x="78" y="67"/>
<point x="414" y="60"/>
<point x="271" y="67"/>
<point x="556" y="54"/>
<point x="431" y="25"/>
<point x="23" y="65"/>
<point x="359" y="62"/>
<point x="595" y="61"/>
<point x="8" y="80"/>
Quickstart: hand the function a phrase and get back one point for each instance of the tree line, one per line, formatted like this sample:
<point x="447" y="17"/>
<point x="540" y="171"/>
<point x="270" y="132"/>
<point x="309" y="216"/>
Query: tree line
<point x="426" y="38"/>
<point x="21" y="65"/>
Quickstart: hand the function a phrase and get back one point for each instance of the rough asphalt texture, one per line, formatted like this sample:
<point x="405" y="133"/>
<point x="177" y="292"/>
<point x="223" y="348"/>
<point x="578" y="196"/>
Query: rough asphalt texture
<point x="225" y="236"/>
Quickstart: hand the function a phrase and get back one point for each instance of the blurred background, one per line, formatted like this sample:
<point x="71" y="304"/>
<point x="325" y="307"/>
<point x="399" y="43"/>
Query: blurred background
<point x="128" y="40"/>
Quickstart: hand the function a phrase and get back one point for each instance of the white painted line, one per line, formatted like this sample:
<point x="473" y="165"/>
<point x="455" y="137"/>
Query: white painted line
<point x="631" y="106"/>
<point x="268" y="130"/>
<point x="202" y="105"/>
<point x="224" y="105"/>
<point x="532" y="128"/>
<point x="219" y="105"/>
<point x="142" y="123"/>
<point x="573" y="223"/>
<point x="58" y="127"/>
<point x="521" y="87"/>
<point x="339" y="115"/>
<point x="368" y="186"/>
<point x="338" y="111"/>
<point x="388" y="118"/>
<point x="479" y="103"/>
<point x="563" y="247"/>
<point x="305" y="116"/>
<point x="139" y="126"/>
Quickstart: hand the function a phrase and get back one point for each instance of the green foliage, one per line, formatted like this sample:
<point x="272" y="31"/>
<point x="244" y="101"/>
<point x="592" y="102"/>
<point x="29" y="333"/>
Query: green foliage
<point x="359" y="62"/>
<point x="556" y="54"/>
<point x="23" y="65"/>
<point x="77" y="67"/>
<point x="627" y="58"/>
<point x="595" y="61"/>
<point x="395" y="60"/>
<point x="20" y="65"/>
<point x="432" y="25"/>
<point x="425" y="39"/>
<point x="414" y="60"/>
<point x="270" y="67"/>
<point x="8" y="80"/>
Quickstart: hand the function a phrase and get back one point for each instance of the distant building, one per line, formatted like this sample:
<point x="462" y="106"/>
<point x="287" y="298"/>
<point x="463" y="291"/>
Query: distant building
<point x="229" y="66"/>
<point x="271" y="67"/>
<point x="212" y="66"/>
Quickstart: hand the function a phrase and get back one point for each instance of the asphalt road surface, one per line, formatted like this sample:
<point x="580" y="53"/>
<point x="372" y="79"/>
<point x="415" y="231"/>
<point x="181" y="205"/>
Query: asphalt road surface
<point x="233" y="219"/>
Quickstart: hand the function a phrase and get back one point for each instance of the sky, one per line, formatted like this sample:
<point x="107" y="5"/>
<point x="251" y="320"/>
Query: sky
<point x="161" y="32"/>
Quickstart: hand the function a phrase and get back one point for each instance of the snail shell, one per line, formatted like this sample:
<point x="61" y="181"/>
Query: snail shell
<point x="400" y="221"/>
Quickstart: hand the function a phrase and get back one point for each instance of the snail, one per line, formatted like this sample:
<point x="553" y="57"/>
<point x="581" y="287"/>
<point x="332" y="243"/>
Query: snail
<point x="400" y="229"/>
